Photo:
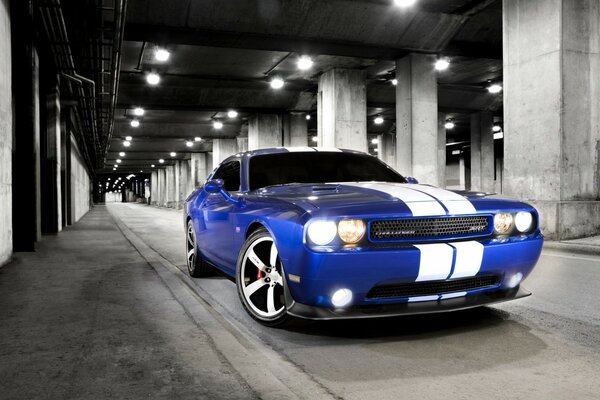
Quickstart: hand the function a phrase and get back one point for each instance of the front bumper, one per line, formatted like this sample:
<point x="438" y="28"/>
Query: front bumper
<point x="391" y="310"/>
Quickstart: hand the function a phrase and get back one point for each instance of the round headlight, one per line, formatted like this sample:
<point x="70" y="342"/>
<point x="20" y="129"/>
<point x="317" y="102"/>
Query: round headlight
<point x="351" y="230"/>
<point x="503" y="223"/>
<point x="523" y="221"/>
<point x="322" y="232"/>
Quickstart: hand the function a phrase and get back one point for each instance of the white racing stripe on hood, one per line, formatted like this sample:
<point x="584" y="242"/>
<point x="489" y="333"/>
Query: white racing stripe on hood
<point x="299" y="149"/>
<point x="436" y="261"/>
<point x="455" y="203"/>
<point x="420" y="204"/>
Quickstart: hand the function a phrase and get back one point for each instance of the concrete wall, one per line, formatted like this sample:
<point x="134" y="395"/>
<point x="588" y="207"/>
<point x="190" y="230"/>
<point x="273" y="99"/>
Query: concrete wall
<point x="6" y="130"/>
<point x="80" y="184"/>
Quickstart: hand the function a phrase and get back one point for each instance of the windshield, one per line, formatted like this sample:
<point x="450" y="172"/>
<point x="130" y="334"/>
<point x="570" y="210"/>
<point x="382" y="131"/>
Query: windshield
<point x="318" y="167"/>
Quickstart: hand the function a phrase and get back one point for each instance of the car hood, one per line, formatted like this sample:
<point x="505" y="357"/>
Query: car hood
<point x="352" y="198"/>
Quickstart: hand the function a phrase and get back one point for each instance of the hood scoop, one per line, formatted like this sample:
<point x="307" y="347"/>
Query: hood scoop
<point x="325" y="189"/>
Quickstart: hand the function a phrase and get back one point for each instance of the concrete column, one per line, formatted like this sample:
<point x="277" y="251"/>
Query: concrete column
<point x="198" y="172"/>
<point x="342" y="109"/>
<point x="185" y="183"/>
<point x="441" y="148"/>
<point x="154" y="188"/>
<point x="387" y="149"/>
<point x="298" y="130"/>
<point x="462" y="172"/>
<point x="264" y="130"/>
<point x="551" y="118"/>
<point x="162" y="188"/>
<point x="170" y="185"/>
<point x="417" y="118"/>
<point x="6" y="138"/>
<point x="242" y="143"/>
<point x="482" y="152"/>
<point x="223" y="148"/>
<point x="51" y="162"/>
<point x="209" y="163"/>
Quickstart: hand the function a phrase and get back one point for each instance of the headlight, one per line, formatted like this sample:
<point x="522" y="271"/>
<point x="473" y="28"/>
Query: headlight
<point x="351" y="230"/>
<point x="523" y="221"/>
<point x="503" y="223"/>
<point x="322" y="232"/>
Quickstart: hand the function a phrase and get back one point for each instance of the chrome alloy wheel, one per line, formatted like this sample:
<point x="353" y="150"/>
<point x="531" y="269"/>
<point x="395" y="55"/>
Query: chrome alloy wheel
<point x="262" y="279"/>
<point x="191" y="248"/>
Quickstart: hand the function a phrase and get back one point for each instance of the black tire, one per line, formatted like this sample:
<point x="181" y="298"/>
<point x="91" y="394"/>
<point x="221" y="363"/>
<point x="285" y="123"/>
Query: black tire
<point x="264" y="301"/>
<point x="197" y="267"/>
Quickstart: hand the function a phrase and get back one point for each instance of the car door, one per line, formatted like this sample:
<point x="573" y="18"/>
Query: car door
<point x="216" y="240"/>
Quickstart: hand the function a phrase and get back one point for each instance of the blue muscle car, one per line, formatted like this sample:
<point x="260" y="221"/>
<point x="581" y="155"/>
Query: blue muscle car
<point x="328" y="233"/>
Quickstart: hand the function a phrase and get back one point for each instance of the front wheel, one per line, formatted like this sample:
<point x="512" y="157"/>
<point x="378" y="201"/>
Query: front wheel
<point x="260" y="280"/>
<point x="197" y="267"/>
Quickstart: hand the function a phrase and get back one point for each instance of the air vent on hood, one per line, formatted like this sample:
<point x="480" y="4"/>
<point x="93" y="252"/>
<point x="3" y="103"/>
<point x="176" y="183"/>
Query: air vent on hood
<point x="325" y="188"/>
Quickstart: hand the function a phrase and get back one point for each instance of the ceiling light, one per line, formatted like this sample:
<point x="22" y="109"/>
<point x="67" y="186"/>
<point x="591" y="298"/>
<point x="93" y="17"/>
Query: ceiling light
<point x="161" y="54"/>
<point x="404" y="3"/>
<point x="376" y="150"/>
<point x="378" y="120"/>
<point x="499" y="135"/>
<point x="455" y="152"/>
<point x="197" y="139"/>
<point x="115" y="165"/>
<point x="305" y="62"/>
<point x="128" y="138"/>
<point x="122" y="154"/>
<point x="127" y="143"/>
<point x="449" y="125"/>
<point x="394" y="81"/>
<point x="141" y="170"/>
<point x="307" y="117"/>
<point x="315" y="139"/>
<point x="161" y="161"/>
<point x="232" y="113"/>
<point x="118" y="160"/>
<point x="217" y="124"/>
<point x="374" y="141"/>
<point x="277" y="83"/>
<point x="114" y="169"/>
<point x="172" y="154"/>
<point x="153" y="78"/>
<point x="134" y="123"/>
<point x="189" y="143"/>
<point x="138" y="111"/>
<point x="494" y="88"/>
<point x="496" y="128"/>
<point x="442" y="64"/>
<point x="153" y="165"/>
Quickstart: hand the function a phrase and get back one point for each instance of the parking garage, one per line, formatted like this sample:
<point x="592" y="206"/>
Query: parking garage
<point x="114" y="112"/>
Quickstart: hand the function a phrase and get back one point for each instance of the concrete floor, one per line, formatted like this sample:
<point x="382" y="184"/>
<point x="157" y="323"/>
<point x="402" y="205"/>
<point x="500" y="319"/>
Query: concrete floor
<point x="88" y="316"/>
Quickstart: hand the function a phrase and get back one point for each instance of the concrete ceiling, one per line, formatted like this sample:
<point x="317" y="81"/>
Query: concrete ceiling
<point x="223" y="54"/>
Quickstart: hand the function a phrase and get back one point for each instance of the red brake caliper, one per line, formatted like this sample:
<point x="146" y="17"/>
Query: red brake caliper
<point x="258" y="274"/>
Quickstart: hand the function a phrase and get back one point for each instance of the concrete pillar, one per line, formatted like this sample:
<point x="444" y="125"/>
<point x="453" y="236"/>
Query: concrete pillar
<point x="551" y="118"/>
<point x="185" y="183"/>
<point x="386" y="149"/>
<point x="417" y="118"/>
<point x="170" y="185"/>
<point x="342" y="109"/>
<point x="264" y="131"/>
<point x="242" y="143"/>
<point x="6" y="138"/>
<point x="162" y="188"/>
<point x="482" y="152"/>
<point x="51" y="162"/>
<point x="462" y="172"/>
<point x="198" y="172"/>
<point x="441" y="148"/>
<point x="223" y="148"/>
<point x="298" y="130"/>
<point x="154" y="188"/>
<point x="209" y="168"/>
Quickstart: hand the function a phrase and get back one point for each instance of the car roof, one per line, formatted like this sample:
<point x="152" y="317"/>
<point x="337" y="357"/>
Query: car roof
<point x="278" y="150"/>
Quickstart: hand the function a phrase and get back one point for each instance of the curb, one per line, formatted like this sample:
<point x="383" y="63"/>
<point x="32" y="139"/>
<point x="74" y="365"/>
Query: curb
<point x="573" y="247"/>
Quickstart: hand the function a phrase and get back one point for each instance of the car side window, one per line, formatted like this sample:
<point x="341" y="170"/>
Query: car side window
<point x="230" y="173"/>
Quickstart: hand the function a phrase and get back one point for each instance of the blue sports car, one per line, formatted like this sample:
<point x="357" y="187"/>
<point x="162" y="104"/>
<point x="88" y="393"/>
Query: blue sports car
<point x="327" y="233"/>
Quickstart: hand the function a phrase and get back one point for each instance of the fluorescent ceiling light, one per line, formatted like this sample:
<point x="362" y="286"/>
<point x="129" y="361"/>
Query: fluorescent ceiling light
<point x="442" y="64"/>
<point x="378" y="120"/>
<point x="305" y="62"/>
<point x="277" y="83"/>
<point x="153" y="78"/>
<point x="161" y="54"/>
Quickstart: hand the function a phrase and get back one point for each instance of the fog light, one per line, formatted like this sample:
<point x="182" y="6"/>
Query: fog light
<point x="515" y="280"/>
<point x="341" y="297"/>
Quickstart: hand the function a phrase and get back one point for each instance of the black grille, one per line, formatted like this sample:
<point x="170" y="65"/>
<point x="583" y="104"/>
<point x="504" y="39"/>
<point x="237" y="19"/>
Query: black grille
<point x="416" y="228"/>
<point x="433" y="287"/>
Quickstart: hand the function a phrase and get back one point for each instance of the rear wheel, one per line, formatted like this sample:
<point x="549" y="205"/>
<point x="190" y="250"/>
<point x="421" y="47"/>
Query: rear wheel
<point x="260" y="279"/>
<point x="197" y="267"/>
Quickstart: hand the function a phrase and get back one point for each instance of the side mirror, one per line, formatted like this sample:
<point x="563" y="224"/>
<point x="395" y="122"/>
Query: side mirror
<point x="217" y="186"/>
<point x="410" y="179"/>
<point x="214" y="186"/>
